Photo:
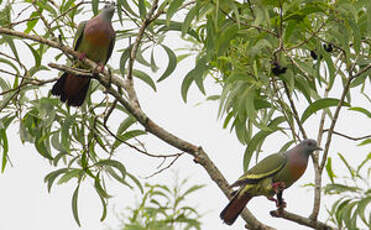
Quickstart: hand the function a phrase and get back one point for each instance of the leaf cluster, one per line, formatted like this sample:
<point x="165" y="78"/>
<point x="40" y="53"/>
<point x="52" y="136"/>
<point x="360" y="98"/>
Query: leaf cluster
<point x="162" y="208"/>
<point x="352" y="206"/>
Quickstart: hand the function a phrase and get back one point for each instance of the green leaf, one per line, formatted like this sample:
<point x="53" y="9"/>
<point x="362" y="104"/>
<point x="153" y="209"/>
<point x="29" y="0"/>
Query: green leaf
<point x="154" y="67"/>
<point x="94" y="5"/>
<point x="363" y="203"/>
<point x="187" y="81"/>
<point x="196" y="75"/>
<point x="189" y="18"/>
<point x="127" y="136"/>
<point x="329" y="170"/>
<point x="50" y="178"/>
<point x="174" y="5"/>
<point x="365" y="142"/>
<point x="361" y="110"/>
<point x="142" y="8"/>
<point x="125" y="125"/>
<point x="35" y="54"/>
<point x="32" y="23"/>
<point x="350" y="169"/>
<point x="320" y="104"/>
<point x="100" y="190"/>
<point x="104" y="213"/>
<point x="136" y="181"/>
<point x="174" y="26"/>
<point x="171" y="65"/>
<point x="119" y="10"/>
<point x="140" y="57"/>
<point x="339" y="188"/>
<point x="4" y="144"/>
<point x="69" y="175"/>
<point x="113" y="163"/>
<point x="192" y="189"/>
<point x="144" y="77"/>
<point x="12" y="46"/>
<point x="127" y="7"/>
<point x="223" y="42"/>
<point x="123" y="59"/>
<point x="74" y="205"/>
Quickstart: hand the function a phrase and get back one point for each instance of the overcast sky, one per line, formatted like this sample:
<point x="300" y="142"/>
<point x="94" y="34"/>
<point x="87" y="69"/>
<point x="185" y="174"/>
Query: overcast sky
<point x="25" y="203"/>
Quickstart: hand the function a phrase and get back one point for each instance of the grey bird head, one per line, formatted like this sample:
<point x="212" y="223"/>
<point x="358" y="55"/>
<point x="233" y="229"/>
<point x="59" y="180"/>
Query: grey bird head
<point x="309" y="145"/>
<point x="109" y="10"/>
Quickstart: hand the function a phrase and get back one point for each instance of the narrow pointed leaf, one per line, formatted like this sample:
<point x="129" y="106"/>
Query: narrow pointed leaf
<point x="320" y="104"/>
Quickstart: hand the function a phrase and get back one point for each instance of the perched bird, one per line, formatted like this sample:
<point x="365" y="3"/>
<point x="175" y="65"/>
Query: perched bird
<point x="269" y="177"/>
<point x="94" y="39"/>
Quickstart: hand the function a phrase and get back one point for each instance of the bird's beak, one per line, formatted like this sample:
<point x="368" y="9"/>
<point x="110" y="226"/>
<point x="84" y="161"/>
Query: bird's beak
<point x="318" y="148"/>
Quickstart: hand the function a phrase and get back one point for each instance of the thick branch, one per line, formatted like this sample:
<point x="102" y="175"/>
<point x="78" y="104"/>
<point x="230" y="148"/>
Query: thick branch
<point x="198" y="153"/>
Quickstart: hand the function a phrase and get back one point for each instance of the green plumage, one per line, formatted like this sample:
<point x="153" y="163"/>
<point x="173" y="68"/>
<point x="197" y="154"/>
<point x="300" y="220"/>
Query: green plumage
<point x="269" y="177"/>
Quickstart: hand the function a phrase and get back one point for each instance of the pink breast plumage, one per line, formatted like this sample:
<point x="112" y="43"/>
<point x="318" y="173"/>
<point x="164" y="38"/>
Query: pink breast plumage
<point x="97" y="34"/>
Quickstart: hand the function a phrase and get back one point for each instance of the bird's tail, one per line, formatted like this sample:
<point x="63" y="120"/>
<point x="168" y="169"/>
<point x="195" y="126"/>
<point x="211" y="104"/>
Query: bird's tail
<point x="71" y="88"/>
<point x="235" y="207"/>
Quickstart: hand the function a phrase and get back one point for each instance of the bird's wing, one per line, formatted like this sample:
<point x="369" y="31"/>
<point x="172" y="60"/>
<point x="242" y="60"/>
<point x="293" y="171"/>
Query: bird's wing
<point x="78" y="35"/>
<point x="265" y="168"/>
<point x="111" y="45"/>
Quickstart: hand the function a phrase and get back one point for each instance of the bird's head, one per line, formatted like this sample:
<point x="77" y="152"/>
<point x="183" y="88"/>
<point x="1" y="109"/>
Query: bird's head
<point x="109" y="10"/>
<point x="310" y="145"/>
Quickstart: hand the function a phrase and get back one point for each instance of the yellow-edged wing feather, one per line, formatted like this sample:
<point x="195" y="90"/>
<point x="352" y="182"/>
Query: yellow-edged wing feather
<point x="265" y="168"/>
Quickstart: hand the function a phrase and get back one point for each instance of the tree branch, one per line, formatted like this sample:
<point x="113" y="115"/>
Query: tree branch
<point x="200" y="156"/>
<point x="348" y="137"/>
<point x="198" y="153"/>
<point x="133" y="52"/>
<point x="294" y="110"/>
<point x="301" y="220"/>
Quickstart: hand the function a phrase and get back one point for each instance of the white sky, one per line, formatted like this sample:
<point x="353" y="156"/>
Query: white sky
<point x="25" y="203"/>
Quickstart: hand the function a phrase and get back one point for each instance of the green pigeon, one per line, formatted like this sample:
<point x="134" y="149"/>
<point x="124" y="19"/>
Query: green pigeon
<point x="269" y="177"/>
<point x="94" y="39"/>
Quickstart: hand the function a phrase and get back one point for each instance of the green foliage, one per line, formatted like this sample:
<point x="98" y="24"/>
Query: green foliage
<point x="241" y="43"/>
<point x="162" y="208"/>
<point x="354" y="196"/>
<point x="271" y="59"/>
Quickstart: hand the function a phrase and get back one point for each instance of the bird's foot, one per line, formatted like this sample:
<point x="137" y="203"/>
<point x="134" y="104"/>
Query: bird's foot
<point x="278" y="187"/>
<point x="99" y="68"/>
<point x="82" y="56"/>
<point x="271" y="198"/>
<point x="281" y="204"/>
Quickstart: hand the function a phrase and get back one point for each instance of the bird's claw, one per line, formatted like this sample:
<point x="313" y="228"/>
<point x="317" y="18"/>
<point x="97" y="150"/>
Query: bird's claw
<point x="278" y="187"/>
<point x="280" y="203"/>
<point x="99" y="68"/>
<point x="82" y="56"/>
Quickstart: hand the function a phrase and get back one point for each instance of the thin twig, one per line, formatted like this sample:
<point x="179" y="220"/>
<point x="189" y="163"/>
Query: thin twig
<point x="11" y="25"/>
<point x="306" y="40"/>
<point x="349" y="137"/>
<point x="248" y="25"/>
<point x="163" y="169"/>
<point x="65" y="13"/>
<point x="295" y="112"/>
